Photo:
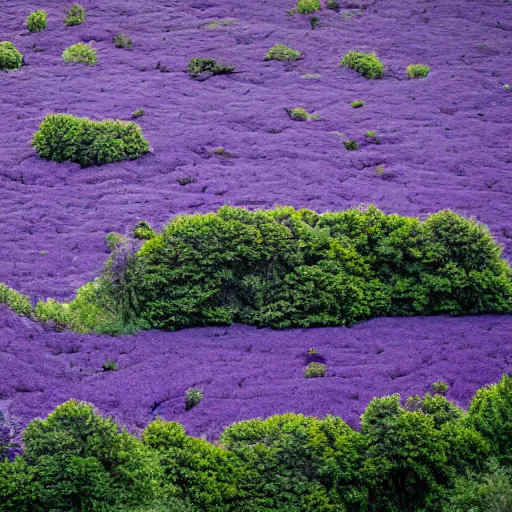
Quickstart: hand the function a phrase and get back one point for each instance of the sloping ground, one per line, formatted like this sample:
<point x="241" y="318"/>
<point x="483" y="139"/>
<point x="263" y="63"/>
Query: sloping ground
<point x="245" y="372"/>
<point x="445" y="144"/>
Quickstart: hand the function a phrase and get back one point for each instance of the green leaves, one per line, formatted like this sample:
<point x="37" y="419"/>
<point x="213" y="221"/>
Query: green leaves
<point x="367" y="64"/>
<point x="80" y="53"/>
<point x="36" y="21"/>
<point x="10" y="58"/>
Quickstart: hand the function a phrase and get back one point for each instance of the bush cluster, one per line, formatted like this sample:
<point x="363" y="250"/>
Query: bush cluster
<point x="122" y="41"/>
<point x="19" y="303"/>
<point x="62" y="137"/>
<point x="282" y="52"/>
<point x="10" y="58"/>
<point x="367" y="64"/>
<point x="36" y="21"/>
<point x="315" y="370"/>
<point x="198" y="66"/>
<point x="417" y="71"/>
<point x="434" y="457"/>
<point x="80" y="53"/>
<point x="75" y="16"/>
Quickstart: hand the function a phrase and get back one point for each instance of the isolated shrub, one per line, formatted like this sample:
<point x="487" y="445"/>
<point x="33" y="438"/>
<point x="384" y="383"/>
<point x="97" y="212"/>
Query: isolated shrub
<point x="192" y="397"/>
<point x="110" y="366"/>
<point x="122" y="41"/>
<point x="143" y="231"/>
<point x="367" y="64"/>
<point x="75" y="16"/>
<point x="114" y="240"/>
<point x="357" y="104"/>
<point x="314" y="370"/>
<point x="36" y="21"/>
<point x="298" y="114"/>
<point x="351" y="145"/>
<point x="138" y="113"/>
<point x="80" y="53"/>
<point x="313" y="22"/>
<point x="440" y="387"/>
<point x="308" y="6"/>
<point x="197" y="66"/>
<point x="417" y="71"/>
<point x="282" y="52"/>
<point x="10" y="58"/>
<point x="62" y="137"/>
<point x="19" y="303"/>
<point x="333" y="5"/>
<point x="490" y="413"/>
<point x="372" y="137"/>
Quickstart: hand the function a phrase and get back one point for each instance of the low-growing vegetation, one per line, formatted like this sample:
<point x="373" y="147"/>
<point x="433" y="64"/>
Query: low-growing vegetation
<point x="62" y="137"/>
<point x="75" y="16"/>
<point x="314" y="370"/>
<point x="296" y="268"/>
<point x="351" y="145"/>
<point x="122" y="41"/>
<point x="192" y="398"/>
<point x="110" y="366"/>
<point x="367" y="64"/>
<point x="143" y="231"/>
<point x="138" y="113"/>
<point x="426" y="455"/>
<point x="418" y="71"/>
<point x="36" y="21"/>
<point x="282" y="52"/>
<point x="198" y="66"/>
<point x="80" y="53"/>
<point x="357" y="104"/>
<point x="308" y="6"/>
<point x="372" y="137"/>
<point x="333" y="5"/>
<point x="299" y="114"/>
<point x="10" y="58"/>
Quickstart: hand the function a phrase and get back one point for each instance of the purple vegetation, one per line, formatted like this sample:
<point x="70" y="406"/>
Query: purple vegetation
<point x="445" y="143"/>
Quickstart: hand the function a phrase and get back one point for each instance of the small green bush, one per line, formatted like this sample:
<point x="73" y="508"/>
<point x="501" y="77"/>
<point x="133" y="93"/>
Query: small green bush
<point x="36" y="21"/>
<point x="367" y="64"/>
<point x="122" y="41"/>
<point x="197" y="66"/>
<point x="333" y="5"/>
<point x="143" y="231"/>
<point x="282" y="52"/>
<point x="192" y="397"/>
<point x="372" y="137"/>
<point x="308" y="6"/>
<point x="110" y="366"/>
<point x="440" y="387"/>
<point x="62" y="137"/>
<point x="114" y="240"/>
<point x="298" y="114"/>
<point x="75" y="16"/>
<point x="357" y="104"/>
<point x="417" y="71"/>
<point x="314" y="370"/>
<point x="19" y="303"/>
<point x="10" y="58"/>
<point x="351" y="145"/>
<point x="138" y="113"/>
<point x="52" y="311"/>
<point x="80" y="53"/>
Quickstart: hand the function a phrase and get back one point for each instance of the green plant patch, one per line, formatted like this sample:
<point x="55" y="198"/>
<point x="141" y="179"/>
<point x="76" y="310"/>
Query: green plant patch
<point x="282" y="52"/>
<point x="122" y="41"/>
<point x="75" y="16"/>
<point x="418" y="71"/>
<point x="308" y="6"/>
<point x="62" y="137"/>
<point x="198" y="66"/>
<point x="351" y="145"/>
<point x="367" y="64"/>
<point x="36" y="21"/>
<point x="357" y="104"/>
<point x="80" y="53"/>
<point x="314" y="370"/>
<point x="10" y="58"/>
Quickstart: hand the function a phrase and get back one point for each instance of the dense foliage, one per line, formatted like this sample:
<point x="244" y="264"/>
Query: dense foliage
<point x="418" y="70"/>
<point x="36" y="21"/>
<point x="308" y="6"/>
<point x="80" y="53"/>
<point x="122" y="41"/>
<point x="62" y="137"/>
<point x="198" y="66"/>
<point x="282" y="52"/>
<point x="428" y="456"/>
<point x="367" y="64"/>
<point x="75" y="16"/>
<point x="10" y="58"/>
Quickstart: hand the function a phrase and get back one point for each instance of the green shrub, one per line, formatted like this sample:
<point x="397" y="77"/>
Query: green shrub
<point x="440" y="387"/>
<point x="62" y="137"/>
<point x="298" y="114"/>
<point x="197" y="66"/>
<point x="114" y="240"/>
<point x="314" y="370"/>
<point x="351" y="145"/>
<point x="417" y="71"/>
<point x="10" y="58"/>
<point x="282" y="52"/>
<point x="143" y="231"/>
<point x="52" y="311"/>
<point x="357" y="104"/>
<point x="372" y="137"/>
<point x="122" y="41"/>
<point x="75" y="16"/>
<point x="110" y="366"/>
<point x="36" y="21"/>
<point x="367" y="64"/>
<point x="19" y="303"/>
<point x="333" y="5"/>
<point x="80" y="53"/>
<point x="192" y="397"/>
<point x="308" y="6"/>
<point x="138" y="113"/>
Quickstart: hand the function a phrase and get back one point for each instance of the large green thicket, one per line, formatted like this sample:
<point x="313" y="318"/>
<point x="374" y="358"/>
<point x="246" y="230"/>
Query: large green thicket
<point x="426" y="456"/>
<point x="62" y="137"/>
<point x="297" y="268"/>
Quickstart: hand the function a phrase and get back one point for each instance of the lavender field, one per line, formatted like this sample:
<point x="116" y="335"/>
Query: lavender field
<point x="445" y="143"/>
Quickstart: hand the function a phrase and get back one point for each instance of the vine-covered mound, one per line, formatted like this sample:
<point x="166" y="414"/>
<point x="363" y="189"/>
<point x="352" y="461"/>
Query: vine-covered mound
<point x="293" y="268"/>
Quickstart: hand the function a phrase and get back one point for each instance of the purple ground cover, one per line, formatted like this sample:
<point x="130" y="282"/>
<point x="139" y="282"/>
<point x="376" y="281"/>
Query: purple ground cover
<point x="445" y="144"/>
